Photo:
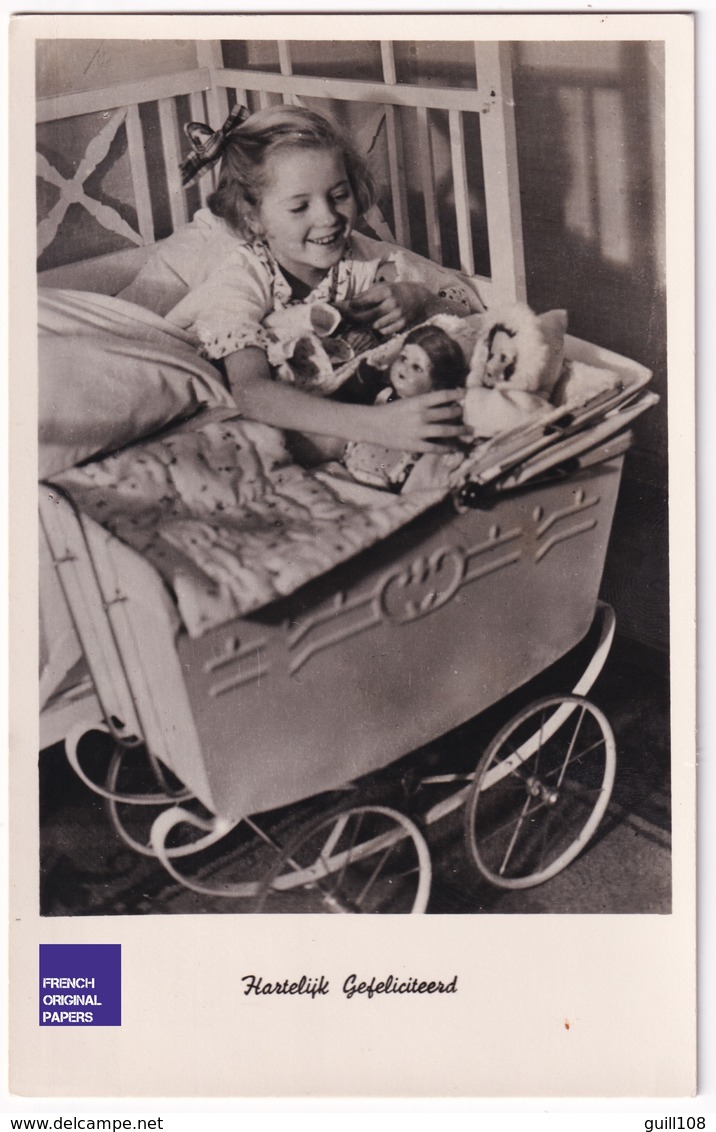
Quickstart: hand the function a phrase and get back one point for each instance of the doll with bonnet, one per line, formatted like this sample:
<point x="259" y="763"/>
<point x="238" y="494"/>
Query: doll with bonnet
<point x="514" y="368"/>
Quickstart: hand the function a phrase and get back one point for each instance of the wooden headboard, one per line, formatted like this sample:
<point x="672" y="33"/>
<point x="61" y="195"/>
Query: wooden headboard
<point x="150" y="114"/>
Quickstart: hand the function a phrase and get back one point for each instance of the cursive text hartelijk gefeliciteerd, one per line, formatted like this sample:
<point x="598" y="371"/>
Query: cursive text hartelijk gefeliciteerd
<point x="318" y="985"/>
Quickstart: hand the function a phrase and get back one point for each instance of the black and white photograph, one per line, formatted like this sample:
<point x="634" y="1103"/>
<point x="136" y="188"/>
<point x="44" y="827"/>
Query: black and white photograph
<point x="417" y="666"/>
<point x="355" y="483"/>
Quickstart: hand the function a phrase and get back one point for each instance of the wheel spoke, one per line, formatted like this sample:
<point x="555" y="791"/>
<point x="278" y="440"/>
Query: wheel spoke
<point x="571" y="745"/>
<point x="323" y="856"/>
<point x="575" y="758"/>
<point x="321" y="862"/>
<point x="540" y="743"/>
<point x="491" y="834"/>
<point x="514" y="753"/>
<point x="334" y="836"/>
<point x="589" y="795"/>
<point x="350" y="848"/>
<point x="351" y="872"/>
<point x="374" y="875"/>
<point x="332" y="902"/>
<point x="411" y="872"/>
<point x="554" y="819"/>
<point x="513" y="839"/>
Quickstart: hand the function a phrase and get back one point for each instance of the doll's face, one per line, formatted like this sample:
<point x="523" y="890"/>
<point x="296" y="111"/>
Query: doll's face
<point x="501" y="359"/>
<point x="412" y="372"/>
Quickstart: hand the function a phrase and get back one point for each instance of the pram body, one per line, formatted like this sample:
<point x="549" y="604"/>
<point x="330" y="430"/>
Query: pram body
<point x="358" y="668"/>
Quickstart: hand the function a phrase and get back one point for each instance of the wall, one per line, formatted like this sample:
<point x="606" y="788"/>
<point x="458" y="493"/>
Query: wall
<point x="590" y="136"/>
<point x="63" y="66"/>
<point x="67" y="66"/>
<point x="590" y="133"/>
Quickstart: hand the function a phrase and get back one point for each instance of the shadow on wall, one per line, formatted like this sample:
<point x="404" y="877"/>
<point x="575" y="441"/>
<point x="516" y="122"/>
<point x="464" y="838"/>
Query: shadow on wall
<point x="590" y="148"/>
<point x="591" y="155"/>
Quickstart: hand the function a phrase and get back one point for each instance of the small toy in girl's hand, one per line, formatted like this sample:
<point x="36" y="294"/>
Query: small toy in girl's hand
<point x="512" y="371"/>
<point x="300" y="347"/>
<point x="429" y="359"/>
<point x="290" y="323"/>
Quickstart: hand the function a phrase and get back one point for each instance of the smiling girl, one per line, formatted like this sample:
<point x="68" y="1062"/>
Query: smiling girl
<point x="280" y="230"/>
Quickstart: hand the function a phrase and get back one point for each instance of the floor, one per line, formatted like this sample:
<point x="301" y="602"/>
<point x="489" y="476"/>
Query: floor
<point x="626" y="868"/>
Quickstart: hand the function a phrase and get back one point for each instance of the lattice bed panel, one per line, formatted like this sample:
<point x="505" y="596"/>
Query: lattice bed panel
<point x="446" y="157"/>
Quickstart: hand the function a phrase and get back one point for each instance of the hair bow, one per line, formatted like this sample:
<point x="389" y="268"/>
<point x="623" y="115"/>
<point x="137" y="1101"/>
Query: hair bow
<point x="208" y="145"/>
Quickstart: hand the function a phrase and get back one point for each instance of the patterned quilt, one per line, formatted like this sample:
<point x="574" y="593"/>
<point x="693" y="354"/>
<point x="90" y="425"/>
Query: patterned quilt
<point x="227" y="518"/>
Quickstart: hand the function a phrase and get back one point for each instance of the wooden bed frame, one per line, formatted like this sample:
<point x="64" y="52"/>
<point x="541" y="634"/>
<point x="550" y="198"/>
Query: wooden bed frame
<point x="208" y="89"/>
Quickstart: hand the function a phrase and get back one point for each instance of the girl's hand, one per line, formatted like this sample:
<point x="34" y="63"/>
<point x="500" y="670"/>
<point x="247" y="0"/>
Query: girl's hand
<point x="431" y="422"/>
<point x="390" y="307"/>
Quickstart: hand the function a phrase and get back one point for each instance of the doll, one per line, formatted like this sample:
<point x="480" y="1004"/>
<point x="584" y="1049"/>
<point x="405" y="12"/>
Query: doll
<point x="310" y="344"/>
<point x="429" y="359"/>
<point x="302" y="347"/>
<point x="512" y="371"/>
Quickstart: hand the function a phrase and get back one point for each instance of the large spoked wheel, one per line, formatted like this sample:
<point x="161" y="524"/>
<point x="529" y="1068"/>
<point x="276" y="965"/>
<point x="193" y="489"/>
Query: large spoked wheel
<point x="540" y="791"/>
<point x="366" y="859"/>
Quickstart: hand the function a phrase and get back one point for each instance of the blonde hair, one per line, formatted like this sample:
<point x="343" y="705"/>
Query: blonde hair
<point x="243" y="168"/>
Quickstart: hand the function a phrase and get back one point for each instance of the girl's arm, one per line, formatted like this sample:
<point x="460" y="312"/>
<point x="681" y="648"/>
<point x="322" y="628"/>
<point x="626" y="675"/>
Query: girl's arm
<point x="390" y="307"/>
<point x="417" y="424"/>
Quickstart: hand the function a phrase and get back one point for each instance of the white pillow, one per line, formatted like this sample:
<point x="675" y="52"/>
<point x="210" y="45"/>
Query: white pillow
<point x="109" y="374"/>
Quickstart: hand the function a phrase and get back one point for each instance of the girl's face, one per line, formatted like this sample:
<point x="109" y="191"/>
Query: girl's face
<point x="307" y="211"/>
<point x="411" y="372"/>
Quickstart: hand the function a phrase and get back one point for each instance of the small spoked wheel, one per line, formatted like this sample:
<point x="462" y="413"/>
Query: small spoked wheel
<point x="540" y="791"/>
<point x="365" y="859"/>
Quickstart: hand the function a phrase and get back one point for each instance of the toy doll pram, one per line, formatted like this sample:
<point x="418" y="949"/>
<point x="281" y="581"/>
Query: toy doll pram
<point x="360" y="667"/>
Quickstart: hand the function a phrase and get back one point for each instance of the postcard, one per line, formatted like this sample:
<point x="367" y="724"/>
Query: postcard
<point x="361" y="405"/>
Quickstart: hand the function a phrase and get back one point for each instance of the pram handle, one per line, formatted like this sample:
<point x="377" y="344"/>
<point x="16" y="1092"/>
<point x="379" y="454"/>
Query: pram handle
<point x="569" y="447"/>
